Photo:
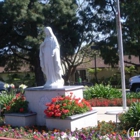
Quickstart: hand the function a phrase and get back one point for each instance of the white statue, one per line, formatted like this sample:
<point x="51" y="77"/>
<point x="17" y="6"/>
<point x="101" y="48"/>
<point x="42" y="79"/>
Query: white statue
<point x="50" y="60"/>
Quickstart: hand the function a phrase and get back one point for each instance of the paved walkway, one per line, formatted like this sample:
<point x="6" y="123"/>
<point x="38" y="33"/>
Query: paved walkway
<point x="102" y="116"/>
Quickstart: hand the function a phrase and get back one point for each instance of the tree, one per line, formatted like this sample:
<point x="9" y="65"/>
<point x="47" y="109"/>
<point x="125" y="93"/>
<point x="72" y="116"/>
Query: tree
<point x="23" y="22"/>
<point x="130" y="70"/>
<point x="72" y="28"/>
<point x="106" y="12"/>
<point x="20" y="28"/>
<point x="131" y="28"/>
<point x="107" y="38"/>
<point x="94" y="72"/>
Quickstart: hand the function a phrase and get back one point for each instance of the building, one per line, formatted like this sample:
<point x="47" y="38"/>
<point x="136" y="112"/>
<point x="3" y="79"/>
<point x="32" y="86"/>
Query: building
<point x="106" y="71"/>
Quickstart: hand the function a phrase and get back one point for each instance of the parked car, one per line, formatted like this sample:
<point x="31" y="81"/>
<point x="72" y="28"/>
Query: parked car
<point x="2" y="86"/>
<point x="134" y="83"/>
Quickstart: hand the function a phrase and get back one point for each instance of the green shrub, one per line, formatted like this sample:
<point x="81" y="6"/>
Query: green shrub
<point x="25" y="78"/>
<point x="5" y="99"/>
<point x="7" y="96"/>
<point x="101" y="91"/>
<point x="133" y="95"/>
<point x="131" y="118"/>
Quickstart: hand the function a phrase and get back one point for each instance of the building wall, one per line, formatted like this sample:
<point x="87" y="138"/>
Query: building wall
<point x="107" y="74"/>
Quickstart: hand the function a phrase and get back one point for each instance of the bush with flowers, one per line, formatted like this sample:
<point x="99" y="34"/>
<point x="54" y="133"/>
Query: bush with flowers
<point x="64" y="106"/>
<point x="17" y="105"/>
<point x="12" y="100"/>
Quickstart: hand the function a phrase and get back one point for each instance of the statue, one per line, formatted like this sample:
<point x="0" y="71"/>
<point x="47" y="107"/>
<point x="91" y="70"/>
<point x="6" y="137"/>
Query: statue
<point x="50" y="60"/>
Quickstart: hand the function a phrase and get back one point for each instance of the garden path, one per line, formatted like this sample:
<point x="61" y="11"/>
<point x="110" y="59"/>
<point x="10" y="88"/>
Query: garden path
<point x="101" y="116"/>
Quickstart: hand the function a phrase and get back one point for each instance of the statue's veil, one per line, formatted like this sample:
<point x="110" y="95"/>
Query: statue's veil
<point x="49" y="33"/>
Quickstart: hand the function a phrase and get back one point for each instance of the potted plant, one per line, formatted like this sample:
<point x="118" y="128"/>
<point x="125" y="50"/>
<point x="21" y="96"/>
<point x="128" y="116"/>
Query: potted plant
<point x="68" y="112"/>
<point x="15" y="107"/>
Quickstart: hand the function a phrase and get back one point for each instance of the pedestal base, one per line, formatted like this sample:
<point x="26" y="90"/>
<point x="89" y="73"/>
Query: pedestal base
<point x="39" y="96"/>
<point x="18" y="119"/>
<point x="79" y="121"/>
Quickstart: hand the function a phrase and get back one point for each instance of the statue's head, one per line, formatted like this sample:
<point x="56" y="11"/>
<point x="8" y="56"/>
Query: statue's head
<point x="48" y="31"/>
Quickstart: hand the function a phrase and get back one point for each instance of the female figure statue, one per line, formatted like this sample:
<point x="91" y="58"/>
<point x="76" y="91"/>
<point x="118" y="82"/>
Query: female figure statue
<point x="50" y="60"/>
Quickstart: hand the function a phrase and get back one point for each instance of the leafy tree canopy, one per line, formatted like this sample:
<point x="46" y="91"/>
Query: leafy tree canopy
<point x="21" y="26"/>
<point x="106" y="13"/>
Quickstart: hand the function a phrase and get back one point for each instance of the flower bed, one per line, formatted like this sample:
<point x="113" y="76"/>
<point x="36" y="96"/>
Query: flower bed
<point x="64" y="106"/>
<point x="12" y="100"/>
<point x="101" y="132"/>
<point x="17" y="105"/>
<point x="110" y="102"/>
<point x="68" y="112"/>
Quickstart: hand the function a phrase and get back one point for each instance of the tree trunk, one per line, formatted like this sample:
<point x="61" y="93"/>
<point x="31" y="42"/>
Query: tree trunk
<point x="38" y="72"/>
<point x="69" y="73"/>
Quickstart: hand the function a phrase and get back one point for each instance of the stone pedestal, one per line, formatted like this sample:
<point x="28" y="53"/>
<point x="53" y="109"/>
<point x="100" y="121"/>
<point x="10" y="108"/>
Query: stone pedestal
<point x="79" y="121"/>
<point x="39" y="96"/>
<point x="19" y="119"/>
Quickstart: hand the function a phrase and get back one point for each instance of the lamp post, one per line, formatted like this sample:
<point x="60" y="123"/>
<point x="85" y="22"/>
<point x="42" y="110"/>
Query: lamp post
<point x="120" y="45"/>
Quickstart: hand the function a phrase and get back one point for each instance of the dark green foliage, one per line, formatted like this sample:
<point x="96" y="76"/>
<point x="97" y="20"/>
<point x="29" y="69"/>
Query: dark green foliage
<point x="12" y="100"/>
<point x="24" y="78"/>
<point x="101" y="91"/>
<point x="106" y="20"/>
<point x="131" y="28"/>
<point x="6" y="98"/>
<point x="21" y="32"/>
<point x="108" y="92"/>
<point x="104" y="13"/>
<point x="132" y="95"/>
<point x="131" y="118"/>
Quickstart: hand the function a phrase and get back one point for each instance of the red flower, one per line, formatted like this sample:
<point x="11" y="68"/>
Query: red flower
<point x="8" y="108"/>
<point x="52" y="138"/>
<point x="49" y="114"/>
<point x="80" y="104"/>
<point x="63" y="106"/>
<point x="18" y="95"/>
<point x="51" y="107"/>
<point x="21" y="110"/>
<point x="57" y="114"/>
<point x="12" y="86"/>
<point x="54" y="100"/>
<point x="65" y="111"/>
<point x="23" y="98"/>
<point x="57" y="106"/>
